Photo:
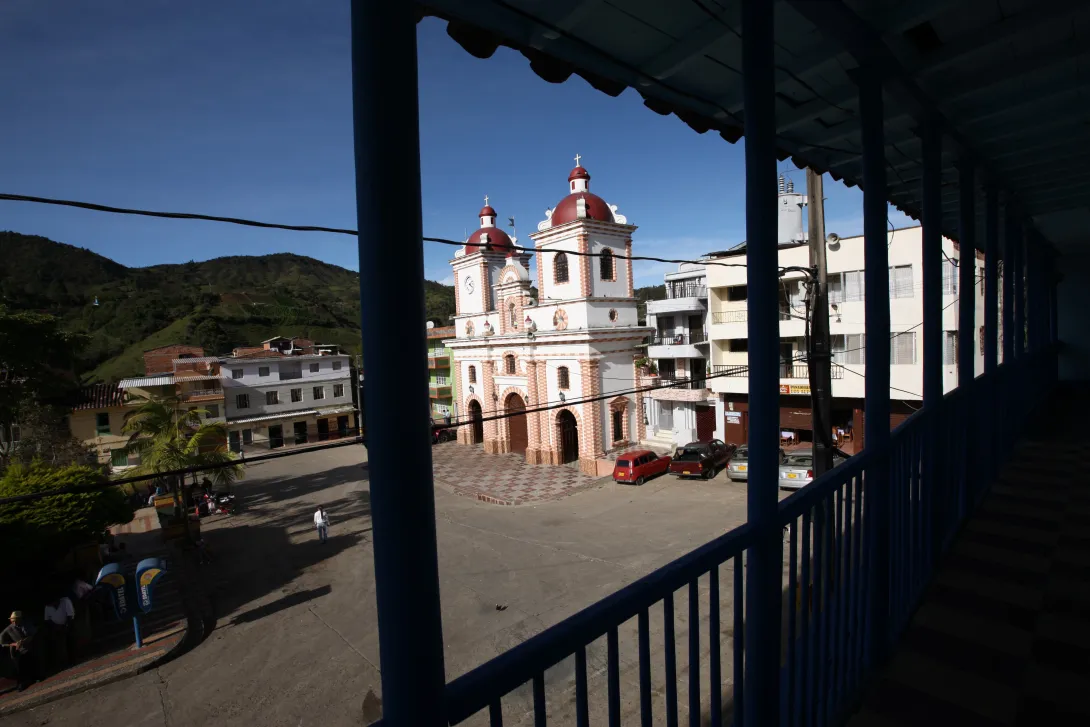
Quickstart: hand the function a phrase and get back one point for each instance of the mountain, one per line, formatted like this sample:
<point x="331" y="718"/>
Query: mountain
<point x="646" y="293"/>
<point x="217" y="304"/>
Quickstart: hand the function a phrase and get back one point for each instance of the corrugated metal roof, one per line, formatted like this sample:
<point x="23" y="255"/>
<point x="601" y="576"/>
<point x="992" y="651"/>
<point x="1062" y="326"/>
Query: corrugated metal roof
<point x="272" y="417"/>
<point x="202" y="359"/>
<point x="195" y="377"/>
<point x="336" y="410"/>
<point x="1003" y="78"/>
<point x="142" y="381"/>
<point x="100" y="396"/>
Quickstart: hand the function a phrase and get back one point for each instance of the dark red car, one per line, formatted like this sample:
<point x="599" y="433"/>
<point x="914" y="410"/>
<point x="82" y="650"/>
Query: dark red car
<point x="639" y="465"/>
<point x="701" y="459"/>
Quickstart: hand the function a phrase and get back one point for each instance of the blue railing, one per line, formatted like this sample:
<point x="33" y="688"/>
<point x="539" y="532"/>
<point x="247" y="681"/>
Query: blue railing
<point x="938" y="465"/>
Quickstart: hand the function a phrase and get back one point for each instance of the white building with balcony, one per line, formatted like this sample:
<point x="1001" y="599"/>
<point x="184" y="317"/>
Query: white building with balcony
<point x="728" y="333"/>
<point x="677" y="415"/>
<point x="274" y="400"/>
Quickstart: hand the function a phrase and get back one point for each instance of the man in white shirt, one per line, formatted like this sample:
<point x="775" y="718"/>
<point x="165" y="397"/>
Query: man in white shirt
<point x="57" y="616"/>
<point x="321" y="521"/>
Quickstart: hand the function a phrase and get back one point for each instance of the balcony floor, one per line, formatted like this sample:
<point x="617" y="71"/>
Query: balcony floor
<point x="1002" y="636"/>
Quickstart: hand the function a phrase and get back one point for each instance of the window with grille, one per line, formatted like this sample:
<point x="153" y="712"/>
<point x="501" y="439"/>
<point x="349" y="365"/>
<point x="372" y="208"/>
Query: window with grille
<point x="846" y="287"/>
<point x="102" y="423"/>
<point x="900" y="281"/>
<point x="950" y="348"/>
<point x="271" y="397"/>
<point x="236" y="373"/>
<point x="511" y="312"/>
<point x="902" y="348"/>
<point x="296" y="395"/>
<point x="560" y="268"/>
<point x="949" y="277"/>
<point x="336" y="365"/>
<point x="472" y="374"/>
<point x="212" y="411"/>
<point x="509" y="364"/>
<point x="338" y="390"/>
<point x="262" y="370"/>
<point x="319" y="392"/>
<point x="605" y="264"/>
<point x="247" y="436"/>
<point x="242" y="401"/>
<point x="119" y="458"/>
<point x="848" y="349"/>
<point x="562" y="377"/>
<point x="982" y="340"/>
<point x="314" y="367"/>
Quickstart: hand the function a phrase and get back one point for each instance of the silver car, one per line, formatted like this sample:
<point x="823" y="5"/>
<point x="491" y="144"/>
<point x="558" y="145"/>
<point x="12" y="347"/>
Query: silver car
<point x="738" y="469"/>
<point x="797" y="470"/>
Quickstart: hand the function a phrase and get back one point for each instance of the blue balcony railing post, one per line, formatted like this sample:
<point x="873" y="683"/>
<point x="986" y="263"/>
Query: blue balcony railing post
<point x="991" y="323"/>
<point x="391" y="256"/>
<point x="967" y="329"/>
<point x="931" y="138"/>
<point x="876" y="312"/>
<point x="764" y="571"/>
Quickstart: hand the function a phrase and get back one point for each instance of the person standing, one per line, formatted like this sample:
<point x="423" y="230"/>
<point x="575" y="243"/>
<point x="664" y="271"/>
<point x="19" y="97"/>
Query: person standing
<point x="321" y="521"/>
<point x="19" y="638"/>
<point x="58" y="614"/>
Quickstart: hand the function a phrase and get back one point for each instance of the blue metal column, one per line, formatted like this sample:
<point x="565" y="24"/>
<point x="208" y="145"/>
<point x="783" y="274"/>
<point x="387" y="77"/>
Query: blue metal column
<point x="1019" y="292"/>
<point x="991" y="327"/>
<point x="1010" y="235"/>
<point x="764" y="572"/>
<point x="876" y="357"/>
<point x="931" y="139"/>
<point x="966" y="328"/>
<point x="391" y="256"/>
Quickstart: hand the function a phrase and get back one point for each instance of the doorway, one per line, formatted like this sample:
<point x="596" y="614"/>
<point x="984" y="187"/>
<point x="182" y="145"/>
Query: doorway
<point x="276" y="436"/>
<point x="234" y="442"/>
<point x="516" y="422"/>
<point x="323" y="430"/>
<point x="342" y="426"/>
<point x="569" y="437"/>
<point x="300" y="432"/>
<point x="477" y="427"/>
<point x="618" y="425"/>
<point x="705" y="423"/>
<point x="666" y="416"/>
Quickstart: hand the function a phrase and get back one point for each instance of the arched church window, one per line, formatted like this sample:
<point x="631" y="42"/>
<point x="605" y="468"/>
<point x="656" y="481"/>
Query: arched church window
<point x="509" y="364"/>
<point x="513" y="317"/>
<point x="562" y="377"/>
<point x="472" y="374"/>
<point x="605" y="264"/>
<point x="560" y="266"/>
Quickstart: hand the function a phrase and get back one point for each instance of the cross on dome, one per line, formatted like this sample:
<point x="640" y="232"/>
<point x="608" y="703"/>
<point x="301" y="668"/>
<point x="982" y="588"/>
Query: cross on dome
<point x="577" y="158"/>
<point x="486" y="200"/>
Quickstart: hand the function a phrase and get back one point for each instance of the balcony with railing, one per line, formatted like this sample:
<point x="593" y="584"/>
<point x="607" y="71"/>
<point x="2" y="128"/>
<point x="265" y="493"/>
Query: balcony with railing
<point x="677" y="345"/>
<point x="439" y="387"/>
<point x="206" y="394"/>
<point x="438" y="358"/>
<point x="680" y="297"/>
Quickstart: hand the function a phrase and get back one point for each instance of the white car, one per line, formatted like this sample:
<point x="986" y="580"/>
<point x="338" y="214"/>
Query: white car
<point x="797" y="470"/>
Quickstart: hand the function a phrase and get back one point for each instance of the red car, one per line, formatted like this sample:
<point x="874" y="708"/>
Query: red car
<point x="639" y="465"/>
<point x="701" y="459"/>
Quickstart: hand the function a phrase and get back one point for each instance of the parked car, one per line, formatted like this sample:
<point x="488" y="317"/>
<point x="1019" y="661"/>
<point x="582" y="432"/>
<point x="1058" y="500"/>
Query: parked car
<point x="701" y="459"/>
<point x="797" y="471"/>
<point x="639" y="465"/>
<point x="738" y="469"/>
<point x="442" y="434"/>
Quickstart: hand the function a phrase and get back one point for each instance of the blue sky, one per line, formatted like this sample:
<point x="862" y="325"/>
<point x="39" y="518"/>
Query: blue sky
<point x="244" y="109"/>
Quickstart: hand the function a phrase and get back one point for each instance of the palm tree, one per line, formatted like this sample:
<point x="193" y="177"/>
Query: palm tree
<point x="169" y="438"/>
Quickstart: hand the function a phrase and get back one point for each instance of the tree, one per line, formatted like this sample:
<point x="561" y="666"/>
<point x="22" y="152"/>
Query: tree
<point x="44" y="436"/>
<point x="167" y="438"/>
<point x="38" y="532"/>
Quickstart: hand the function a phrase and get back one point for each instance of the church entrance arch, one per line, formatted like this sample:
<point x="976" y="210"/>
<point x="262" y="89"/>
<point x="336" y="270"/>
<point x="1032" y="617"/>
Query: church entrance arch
<point x="569" y="436"/>
<point x="515" y="408"/>
<point x="476" y="418"/>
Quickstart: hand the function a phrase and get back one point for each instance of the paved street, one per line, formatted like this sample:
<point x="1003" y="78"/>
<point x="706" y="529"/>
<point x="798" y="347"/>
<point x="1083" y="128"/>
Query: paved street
<point x="296" y="641"/>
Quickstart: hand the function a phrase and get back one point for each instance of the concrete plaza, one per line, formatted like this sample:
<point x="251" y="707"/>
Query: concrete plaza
<point x="296" y="641"/>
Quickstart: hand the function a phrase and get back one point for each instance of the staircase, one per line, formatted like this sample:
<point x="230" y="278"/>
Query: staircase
<point x="659" y="443"/>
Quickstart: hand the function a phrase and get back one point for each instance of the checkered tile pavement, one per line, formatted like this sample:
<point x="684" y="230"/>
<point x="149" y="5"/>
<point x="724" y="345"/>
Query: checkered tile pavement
<point x="503" y="479"/>
<point x="1003" y="634"/>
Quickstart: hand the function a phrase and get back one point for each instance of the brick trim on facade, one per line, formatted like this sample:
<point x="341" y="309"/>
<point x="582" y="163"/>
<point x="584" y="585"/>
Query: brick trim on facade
<point x="584" y="266"/>
<point x="621" y="404"/>
<point x="628" y="264"/>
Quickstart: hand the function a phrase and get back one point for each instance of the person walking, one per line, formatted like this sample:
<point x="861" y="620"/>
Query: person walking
<point x="321" y="521"/>
<point x="19" y="638"/>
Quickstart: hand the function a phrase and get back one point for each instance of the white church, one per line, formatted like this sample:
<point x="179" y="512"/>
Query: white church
<point x="554" y="360"/>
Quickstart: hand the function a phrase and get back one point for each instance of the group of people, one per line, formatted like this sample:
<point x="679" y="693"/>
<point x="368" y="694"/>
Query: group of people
<point x="65" y="626"/>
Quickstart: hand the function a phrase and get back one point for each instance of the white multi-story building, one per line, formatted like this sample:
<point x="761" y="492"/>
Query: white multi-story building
<point x="272" y="400"/>
<point x="728" y="331"/>
<point x="678" y="348"/>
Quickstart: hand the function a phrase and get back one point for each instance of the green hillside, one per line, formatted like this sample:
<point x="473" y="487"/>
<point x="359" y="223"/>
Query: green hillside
<point x="217" y="304"/>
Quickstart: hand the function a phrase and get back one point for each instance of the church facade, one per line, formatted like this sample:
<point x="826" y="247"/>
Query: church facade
<point x="550" y="375"/>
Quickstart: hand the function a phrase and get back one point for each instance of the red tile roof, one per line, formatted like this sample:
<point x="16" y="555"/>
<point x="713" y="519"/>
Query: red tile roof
<point x="100" y="396"/>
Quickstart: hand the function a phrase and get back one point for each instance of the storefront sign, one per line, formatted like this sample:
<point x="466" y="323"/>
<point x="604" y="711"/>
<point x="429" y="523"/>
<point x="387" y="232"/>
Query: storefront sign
<point x="795" y="389"/>
<point x="734" y="417"/>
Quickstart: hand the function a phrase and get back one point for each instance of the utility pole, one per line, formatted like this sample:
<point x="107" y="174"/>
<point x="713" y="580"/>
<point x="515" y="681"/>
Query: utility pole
<point x="819" y="355"/>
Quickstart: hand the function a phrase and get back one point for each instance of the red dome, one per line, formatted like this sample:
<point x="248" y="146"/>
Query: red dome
<point x="579" y="173"/>
<point x="597" y="209"/>
<point x="498" y="241"/>
<point x="487" y="211"/>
